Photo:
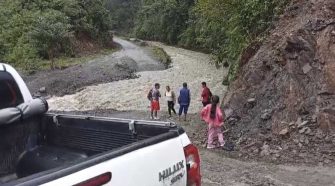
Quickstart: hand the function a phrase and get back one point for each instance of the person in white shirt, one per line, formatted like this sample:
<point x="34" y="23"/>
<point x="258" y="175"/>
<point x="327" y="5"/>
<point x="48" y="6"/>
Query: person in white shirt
<point x="171" y="100"/>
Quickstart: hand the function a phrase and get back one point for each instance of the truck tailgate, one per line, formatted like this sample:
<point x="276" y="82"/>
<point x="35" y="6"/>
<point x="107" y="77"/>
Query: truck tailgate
<point x="159" y="164"/>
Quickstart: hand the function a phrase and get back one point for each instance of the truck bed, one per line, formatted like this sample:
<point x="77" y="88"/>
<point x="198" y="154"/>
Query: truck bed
<point x="44" y="144"/>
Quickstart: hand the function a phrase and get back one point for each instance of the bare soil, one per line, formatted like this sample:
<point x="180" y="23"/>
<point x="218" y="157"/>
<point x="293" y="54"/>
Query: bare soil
<point x="225" y="168"/>
<point x="282" y="105"/>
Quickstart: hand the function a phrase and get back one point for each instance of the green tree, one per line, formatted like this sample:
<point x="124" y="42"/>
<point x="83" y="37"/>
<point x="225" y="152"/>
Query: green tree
<point x="162" y="20"/>
<point x="227" y="27"/>
<point x="51" y="30"/>
<point x="15" y="23"/>
<point x="123" y="14"/>
<point x="34" y="29"/>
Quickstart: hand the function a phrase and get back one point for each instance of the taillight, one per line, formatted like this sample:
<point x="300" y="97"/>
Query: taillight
<point x="97" y="181"/>
<point x="193" y="165"/>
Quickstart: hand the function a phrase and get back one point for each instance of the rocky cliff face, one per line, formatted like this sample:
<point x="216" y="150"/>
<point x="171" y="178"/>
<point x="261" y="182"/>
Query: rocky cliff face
<point x="287" y="89"/>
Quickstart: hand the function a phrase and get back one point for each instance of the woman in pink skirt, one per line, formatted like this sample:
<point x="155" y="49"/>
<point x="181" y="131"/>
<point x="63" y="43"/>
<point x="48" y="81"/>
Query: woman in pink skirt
<point x="212" y="115"/>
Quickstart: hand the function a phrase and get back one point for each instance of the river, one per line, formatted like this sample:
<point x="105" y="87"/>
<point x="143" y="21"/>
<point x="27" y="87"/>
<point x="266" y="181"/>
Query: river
<point x="130" y="94"/>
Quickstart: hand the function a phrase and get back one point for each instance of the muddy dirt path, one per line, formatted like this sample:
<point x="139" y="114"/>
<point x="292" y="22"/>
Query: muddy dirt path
<point x="187" y="66"/>
<point x="218" y="169"/>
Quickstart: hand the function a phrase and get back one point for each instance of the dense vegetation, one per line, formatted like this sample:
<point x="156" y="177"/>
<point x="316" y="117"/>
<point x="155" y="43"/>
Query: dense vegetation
<point x="163" y="20"/>
<point x="123" y="14"/>
<point x="43" y="29"/>
<point x="31" y="30"/>
<point x="222" y="27"/>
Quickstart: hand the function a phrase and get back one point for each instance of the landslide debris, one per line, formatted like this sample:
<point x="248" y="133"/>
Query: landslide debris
<point x="282" y="106"/>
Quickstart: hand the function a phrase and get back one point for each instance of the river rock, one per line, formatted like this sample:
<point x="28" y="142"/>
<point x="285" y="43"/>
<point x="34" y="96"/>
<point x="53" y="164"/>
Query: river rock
<point x="306" y="68"/>
<point x="326" y="161"/>
<point x="302" y="124"/>
<point x="37" y="95"/>
<point x="284" y="132"/>
<point x="265" y="150"/>
<point x="291" y="124"/>
<point x="303" y="130"/>
<point x="133" y="39"/>
<point x="308" y="130"/>
<point x="326" y="119"/>
<point x="143" y="43"/>
<point x="250" y="103"/>
<point x="302" y="155"/>
<point x="306" y="141"/>
<point x="266" y="115"/>
<point x="42" y="90"/>
<point x="328" y="139"/>
<point x="314" y="118"/>
<point x="302" y="139"/>
<point x="256" y="151"/>
<point x="228" y="112"/>
<point x="319" y="134"/>
<point x="251" y="100"/>
<point x="232" y="121"/>
<point x="299" y="120"/>
<point x="296" y="141"/>
<point x="294" y="151"/>
<point x="285" y="147"/>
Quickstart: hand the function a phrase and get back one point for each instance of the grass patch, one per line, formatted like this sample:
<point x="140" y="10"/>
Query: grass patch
<point x="65" y="62"/>
<point x="157" y="53"/>
<point x="161" y="56"/>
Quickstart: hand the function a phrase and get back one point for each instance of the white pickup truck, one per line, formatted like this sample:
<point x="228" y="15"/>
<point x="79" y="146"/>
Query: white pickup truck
<point x="39" y="148"/>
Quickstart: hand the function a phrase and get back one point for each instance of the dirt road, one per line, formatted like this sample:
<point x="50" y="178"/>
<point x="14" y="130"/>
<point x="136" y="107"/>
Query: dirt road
<point x="219" y="169"/>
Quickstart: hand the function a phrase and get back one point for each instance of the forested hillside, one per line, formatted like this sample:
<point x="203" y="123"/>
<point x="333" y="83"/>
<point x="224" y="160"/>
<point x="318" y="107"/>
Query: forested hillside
<point x="31" y="30"/>
<point x="123" y="14"/>
<point x="44" y="29"/>
<point x="222" y="27"/>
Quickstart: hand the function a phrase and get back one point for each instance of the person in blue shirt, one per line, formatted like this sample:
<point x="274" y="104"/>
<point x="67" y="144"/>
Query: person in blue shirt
<point x="184" y="100"/>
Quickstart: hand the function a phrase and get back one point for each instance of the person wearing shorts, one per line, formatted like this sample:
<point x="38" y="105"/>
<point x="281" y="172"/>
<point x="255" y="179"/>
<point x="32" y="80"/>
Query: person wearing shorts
<point x="155" y="106"/>
<point x="184" y="101"/>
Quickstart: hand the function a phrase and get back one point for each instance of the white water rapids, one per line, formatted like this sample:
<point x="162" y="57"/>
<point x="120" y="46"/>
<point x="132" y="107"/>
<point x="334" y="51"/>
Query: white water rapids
<point x="187" y="66"/>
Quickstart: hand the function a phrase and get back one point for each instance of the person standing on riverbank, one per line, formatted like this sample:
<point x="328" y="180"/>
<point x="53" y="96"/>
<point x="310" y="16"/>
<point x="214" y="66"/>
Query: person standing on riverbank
<point x="184" y="100"/>
<point x="171" y="100"/>
<point x="206" y="94"/>
<point x="154" y="96"/>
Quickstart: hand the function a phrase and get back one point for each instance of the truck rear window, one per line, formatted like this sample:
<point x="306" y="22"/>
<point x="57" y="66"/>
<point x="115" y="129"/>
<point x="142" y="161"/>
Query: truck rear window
<point x="10" y="95"/>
